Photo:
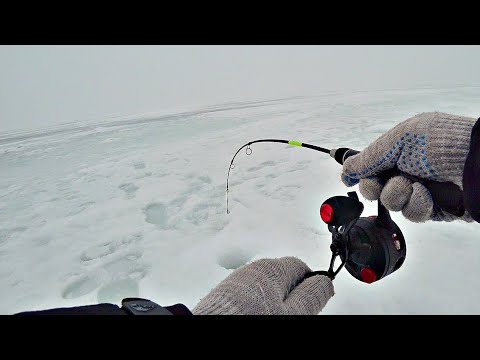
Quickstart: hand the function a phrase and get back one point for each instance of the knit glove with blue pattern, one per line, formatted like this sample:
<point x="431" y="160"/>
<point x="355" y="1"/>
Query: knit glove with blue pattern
<point x="427" y="149"/>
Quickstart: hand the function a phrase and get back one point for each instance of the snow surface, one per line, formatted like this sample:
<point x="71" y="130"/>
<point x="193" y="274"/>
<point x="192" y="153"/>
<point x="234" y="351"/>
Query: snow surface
<point x="97" y="212"/>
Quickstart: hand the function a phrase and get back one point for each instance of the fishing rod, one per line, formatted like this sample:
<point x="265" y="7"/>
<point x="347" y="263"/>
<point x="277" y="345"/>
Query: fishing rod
<point x="340" y="154"/>
<point x="370" y="248"/>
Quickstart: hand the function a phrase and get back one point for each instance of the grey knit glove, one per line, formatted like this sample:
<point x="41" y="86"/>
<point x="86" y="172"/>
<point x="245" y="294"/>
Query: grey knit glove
<point x="268" y="287"/>
<point x="429" y="147"/>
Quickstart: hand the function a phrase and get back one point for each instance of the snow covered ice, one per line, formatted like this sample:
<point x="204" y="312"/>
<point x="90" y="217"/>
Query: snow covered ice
<point x="98" y="212"/>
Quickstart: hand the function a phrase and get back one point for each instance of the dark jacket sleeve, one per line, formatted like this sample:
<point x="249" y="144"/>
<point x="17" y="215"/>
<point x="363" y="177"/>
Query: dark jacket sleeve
<point x="130" y="306"/>
<point x="471" y="175"/>
<point x="98" y="309"/>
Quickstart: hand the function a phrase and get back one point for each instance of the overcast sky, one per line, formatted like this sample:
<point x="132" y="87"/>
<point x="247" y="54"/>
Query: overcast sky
<point x="47" y="85"/>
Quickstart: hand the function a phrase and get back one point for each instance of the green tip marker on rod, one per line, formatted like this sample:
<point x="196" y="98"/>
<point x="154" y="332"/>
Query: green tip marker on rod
<point x="295" y="143"/>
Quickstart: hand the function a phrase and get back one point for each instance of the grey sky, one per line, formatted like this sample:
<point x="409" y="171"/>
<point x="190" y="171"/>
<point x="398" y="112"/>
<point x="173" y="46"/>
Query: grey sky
<point x="47" y="85"/>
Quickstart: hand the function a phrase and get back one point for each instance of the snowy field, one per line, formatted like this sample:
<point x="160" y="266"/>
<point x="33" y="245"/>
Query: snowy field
<point x="98" y="212"/>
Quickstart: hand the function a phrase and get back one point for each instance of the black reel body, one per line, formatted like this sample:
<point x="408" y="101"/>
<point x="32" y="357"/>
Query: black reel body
<point x="370" y="248"/>
<point x="374" y="251"/>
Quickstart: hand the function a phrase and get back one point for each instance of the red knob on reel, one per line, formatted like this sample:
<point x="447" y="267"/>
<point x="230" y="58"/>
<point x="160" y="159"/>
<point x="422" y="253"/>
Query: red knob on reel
<point x="326" y="212"/>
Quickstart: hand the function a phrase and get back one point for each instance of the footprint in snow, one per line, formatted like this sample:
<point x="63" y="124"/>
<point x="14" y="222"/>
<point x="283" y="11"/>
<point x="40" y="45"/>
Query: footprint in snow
<point x="129" y="189"/>
<point x="156" y="213"/>
<point x="139" y="165"/>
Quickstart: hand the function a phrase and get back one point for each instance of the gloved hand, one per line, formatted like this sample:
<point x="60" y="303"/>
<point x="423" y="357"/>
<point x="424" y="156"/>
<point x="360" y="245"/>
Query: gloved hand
<point x="432" y="147"/>
<point x="268" y="287"/>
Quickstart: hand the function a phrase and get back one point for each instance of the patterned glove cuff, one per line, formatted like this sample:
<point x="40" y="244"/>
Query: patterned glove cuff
<point x="471" y="175"/>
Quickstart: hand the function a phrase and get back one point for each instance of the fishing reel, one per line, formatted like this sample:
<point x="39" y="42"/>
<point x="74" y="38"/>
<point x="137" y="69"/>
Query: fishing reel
<point x="370" y="248"/>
